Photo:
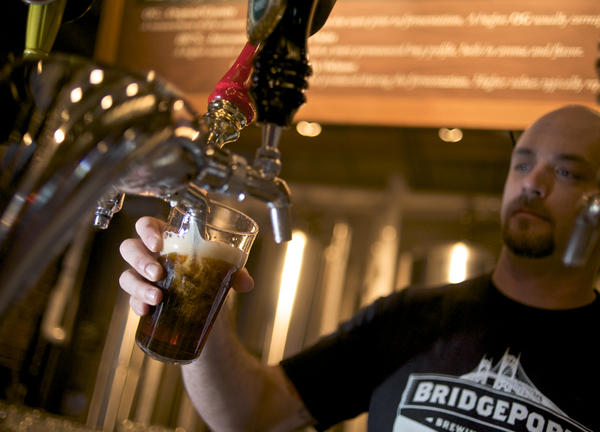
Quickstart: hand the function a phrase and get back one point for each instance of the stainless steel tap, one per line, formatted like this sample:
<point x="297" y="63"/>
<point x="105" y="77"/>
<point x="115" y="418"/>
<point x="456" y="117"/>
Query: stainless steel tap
<point x="86" y="133"/>
<point x="584" y="237"/>
<point x="230" y="174"/>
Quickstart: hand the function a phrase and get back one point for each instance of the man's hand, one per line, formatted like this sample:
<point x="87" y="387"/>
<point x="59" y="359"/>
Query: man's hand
<point x="140" y="253"/>
<point x="231" y="389"/>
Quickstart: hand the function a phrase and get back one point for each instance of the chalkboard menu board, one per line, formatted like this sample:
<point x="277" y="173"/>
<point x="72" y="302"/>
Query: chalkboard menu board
<point x="467" y="63"/>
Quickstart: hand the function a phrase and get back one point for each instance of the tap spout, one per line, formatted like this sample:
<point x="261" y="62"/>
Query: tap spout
<point x="276" y="193"/>
<point x="108" y="205"/>
<point x="229" y="174"/>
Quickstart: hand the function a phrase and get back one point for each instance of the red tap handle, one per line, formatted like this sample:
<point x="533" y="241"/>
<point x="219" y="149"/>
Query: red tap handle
<point x="234" y="85"/>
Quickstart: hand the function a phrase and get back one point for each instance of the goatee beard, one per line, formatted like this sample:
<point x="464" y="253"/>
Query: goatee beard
<point x="520" y="241"/>
<point x="528" y="246"/>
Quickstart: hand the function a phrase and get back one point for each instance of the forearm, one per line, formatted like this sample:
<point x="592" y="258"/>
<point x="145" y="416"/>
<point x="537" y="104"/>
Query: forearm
<point x="233" y="391"/>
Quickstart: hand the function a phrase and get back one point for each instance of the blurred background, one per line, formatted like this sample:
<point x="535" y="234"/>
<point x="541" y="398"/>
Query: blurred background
<point x="390" y="186"/>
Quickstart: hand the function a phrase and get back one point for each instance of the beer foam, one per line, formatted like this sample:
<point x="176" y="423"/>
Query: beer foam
<point x="193" y="244"/>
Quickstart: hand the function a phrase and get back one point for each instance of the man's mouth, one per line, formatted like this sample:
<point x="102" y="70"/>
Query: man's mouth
<point x="523" y="211"/>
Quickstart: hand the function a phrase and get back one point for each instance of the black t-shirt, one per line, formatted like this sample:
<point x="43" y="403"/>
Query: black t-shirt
<point x="456" y="358"/>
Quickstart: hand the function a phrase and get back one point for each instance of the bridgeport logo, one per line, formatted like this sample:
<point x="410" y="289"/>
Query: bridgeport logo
<point x="499" y="398"/>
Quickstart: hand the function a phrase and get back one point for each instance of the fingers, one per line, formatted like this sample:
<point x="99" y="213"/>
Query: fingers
<point x="138" y="253"/>
<point x="242" y="281"/>
<point x="140" y="308"/>
<point x="150" y="231"/>
<point x="135" y="253"/>
<point x="143" y="294"/>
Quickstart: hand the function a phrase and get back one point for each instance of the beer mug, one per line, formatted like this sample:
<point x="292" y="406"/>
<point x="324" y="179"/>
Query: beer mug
<point x="199" y="261"/>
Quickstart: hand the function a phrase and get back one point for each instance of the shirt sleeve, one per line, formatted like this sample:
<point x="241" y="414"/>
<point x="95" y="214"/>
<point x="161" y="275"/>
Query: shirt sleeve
<point x="336" y="377"/>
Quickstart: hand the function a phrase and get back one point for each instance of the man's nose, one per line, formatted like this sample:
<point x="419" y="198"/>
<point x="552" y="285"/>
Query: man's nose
<point x="538" y="182"/>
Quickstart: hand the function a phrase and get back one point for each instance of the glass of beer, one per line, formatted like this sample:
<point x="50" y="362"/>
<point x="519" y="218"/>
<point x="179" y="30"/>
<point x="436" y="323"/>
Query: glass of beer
<point x="199" y="259"/>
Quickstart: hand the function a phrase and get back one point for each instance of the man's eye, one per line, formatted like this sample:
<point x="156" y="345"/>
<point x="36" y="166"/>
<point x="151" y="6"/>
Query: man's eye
<point x="563" y="172"/>
<point x="521" y="166"/>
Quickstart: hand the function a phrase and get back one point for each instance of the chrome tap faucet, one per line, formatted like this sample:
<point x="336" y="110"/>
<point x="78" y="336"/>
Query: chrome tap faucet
<point x="85" y="135"/>
<point x="230" y="174"/>
<point x="584" y="237"/>
<point x="230" y="109"/>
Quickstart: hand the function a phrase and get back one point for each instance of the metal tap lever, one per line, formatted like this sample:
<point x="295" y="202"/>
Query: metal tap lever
<point x="584" y="237"/>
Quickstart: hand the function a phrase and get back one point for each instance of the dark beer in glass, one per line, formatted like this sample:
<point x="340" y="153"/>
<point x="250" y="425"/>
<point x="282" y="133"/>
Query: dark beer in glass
<point x="198" y="276"/>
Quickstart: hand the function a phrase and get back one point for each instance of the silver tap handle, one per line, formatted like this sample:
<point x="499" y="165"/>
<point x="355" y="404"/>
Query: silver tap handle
<point x="584" y="236"/>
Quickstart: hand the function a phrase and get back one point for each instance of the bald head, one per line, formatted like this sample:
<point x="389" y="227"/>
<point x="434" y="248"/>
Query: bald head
<point x="555" y="162"/>
<point x="572" y="125"/>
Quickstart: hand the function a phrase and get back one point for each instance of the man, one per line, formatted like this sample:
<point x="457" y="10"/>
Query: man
<point x="508" y="351"/>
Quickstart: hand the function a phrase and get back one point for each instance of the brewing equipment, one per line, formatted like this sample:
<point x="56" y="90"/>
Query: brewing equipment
<point x="86" y="133"/>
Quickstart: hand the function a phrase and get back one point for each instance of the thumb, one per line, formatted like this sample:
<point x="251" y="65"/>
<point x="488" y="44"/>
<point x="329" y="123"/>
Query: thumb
<point x="242" y="281"/>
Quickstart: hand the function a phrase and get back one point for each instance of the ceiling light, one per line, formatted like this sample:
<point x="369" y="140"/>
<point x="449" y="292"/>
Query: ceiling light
<point x="450" y="135"/>
<point x="76" y="94"/>
<point x="96" y="76"/>
<point x="308" y="129"/>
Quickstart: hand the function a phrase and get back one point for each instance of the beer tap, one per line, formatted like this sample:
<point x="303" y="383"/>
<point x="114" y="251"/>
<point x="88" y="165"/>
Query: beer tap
<point x="279" y="80"/>
<point x="230" y="108"/>
<point x="229" y="111"/>
<point x="281" y="71"/>
<point x="85" y="133"/>
<point x="584" y="237"/>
